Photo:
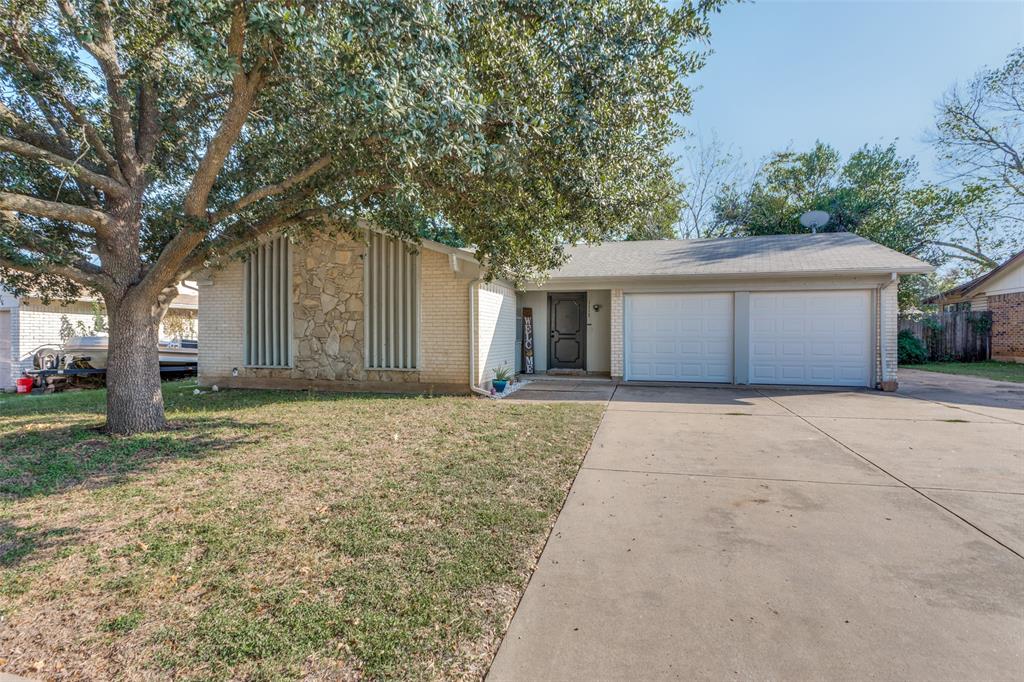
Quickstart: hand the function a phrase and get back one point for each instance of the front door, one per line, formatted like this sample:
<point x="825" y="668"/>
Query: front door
<point x="567" y="337"/>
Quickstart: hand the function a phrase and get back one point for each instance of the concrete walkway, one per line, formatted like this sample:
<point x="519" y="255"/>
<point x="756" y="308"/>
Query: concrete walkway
<point x="725" y="533"/>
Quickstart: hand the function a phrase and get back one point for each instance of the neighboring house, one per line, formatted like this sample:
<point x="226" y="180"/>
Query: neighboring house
<point x="372" y="314"/>
<point x="26" y="324"/>
<point x="1001" y="291"/>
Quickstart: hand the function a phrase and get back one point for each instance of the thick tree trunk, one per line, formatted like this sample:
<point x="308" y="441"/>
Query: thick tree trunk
<point x="134" y="401"/>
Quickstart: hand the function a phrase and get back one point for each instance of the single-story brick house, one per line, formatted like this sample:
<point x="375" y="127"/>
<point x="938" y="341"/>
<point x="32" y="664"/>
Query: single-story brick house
<point x="378" y="314"/>
<point x="1001" y="291"/>
<point x="27" y="323"/>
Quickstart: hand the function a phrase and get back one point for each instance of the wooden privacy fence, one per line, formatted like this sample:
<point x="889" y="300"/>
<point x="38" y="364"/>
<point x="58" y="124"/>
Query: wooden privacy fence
<point x="963" y="336"/>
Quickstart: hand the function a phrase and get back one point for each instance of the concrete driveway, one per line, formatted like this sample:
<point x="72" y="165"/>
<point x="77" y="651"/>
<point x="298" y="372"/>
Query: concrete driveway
<point x="723" y="533"/>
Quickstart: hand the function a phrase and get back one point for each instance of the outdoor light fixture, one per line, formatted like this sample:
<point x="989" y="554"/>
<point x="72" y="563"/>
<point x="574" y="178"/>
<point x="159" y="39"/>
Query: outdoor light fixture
<point x="597" y="307"/>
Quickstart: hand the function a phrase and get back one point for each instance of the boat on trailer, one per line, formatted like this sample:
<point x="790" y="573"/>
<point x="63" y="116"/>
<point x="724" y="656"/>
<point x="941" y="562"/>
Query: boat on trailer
<point x="90" y="352"/>
<point x="82" y="361"/>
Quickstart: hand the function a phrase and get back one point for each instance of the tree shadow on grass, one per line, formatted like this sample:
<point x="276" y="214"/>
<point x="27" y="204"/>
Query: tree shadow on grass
<point x="46" y="461"/>
<point x="19" y="543"/>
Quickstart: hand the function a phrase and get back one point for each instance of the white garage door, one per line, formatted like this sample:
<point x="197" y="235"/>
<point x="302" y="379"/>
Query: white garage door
<point x="679" y="337"/>
<point x="814" y="338"/>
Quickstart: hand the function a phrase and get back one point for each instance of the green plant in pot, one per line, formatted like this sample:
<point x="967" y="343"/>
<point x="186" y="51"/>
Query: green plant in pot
<point x="502" y="376"/>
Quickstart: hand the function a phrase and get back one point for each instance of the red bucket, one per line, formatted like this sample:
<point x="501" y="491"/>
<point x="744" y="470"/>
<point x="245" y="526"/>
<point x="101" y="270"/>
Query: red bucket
<point x="24" y="385"/>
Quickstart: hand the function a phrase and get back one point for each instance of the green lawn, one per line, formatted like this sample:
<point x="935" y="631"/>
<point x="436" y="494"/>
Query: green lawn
<point x="988" y="369"/>
<point x="272" y="535"/>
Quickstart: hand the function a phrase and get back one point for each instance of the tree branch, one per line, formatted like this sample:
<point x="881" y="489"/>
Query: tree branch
<point x="971" y="254"/>
<point x="97" y="282"/>
<point x="244" y="87"/>
<point x="56" y="210"/>
<point x="71" y="166"/>
<point x="104" y="51"/>
<point x="148" y="123"/>
<point x="26" y="132"/>
<point x="243" y="93"/>
<point x="229" y="244"/>
<point x="271" y="190"/>
<point x="43" y="76"/>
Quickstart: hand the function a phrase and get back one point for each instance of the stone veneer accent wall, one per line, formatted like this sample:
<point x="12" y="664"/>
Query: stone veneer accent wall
<point x="1007" y="326"/>
<point x="328" y="311"/>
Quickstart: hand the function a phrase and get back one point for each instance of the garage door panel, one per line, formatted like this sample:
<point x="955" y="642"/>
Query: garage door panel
<point x="645" y="306"/>
<point x="679" y="337"/>
<point x="816" y="338"/>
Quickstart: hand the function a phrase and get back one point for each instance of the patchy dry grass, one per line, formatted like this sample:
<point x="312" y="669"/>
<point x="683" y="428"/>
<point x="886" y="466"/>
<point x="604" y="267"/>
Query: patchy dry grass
<point x="274" y="535"/>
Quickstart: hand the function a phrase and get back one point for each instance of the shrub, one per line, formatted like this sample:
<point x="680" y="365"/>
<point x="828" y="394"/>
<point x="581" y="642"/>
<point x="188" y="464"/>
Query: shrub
<point x="910" y="350"/>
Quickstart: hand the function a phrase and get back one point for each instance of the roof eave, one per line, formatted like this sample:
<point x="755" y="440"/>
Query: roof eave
<point x="853" y="272"/>
<point x="966" y="289"/>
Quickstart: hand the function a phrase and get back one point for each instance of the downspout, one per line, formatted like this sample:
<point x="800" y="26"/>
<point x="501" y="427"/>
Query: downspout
<point x="472" y="339"/>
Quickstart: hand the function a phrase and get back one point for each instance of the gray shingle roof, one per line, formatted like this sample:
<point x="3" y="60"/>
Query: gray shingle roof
<point x="793" y="254"/>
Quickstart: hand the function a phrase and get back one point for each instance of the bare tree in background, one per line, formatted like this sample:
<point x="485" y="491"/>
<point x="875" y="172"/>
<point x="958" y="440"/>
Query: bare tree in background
<point x="708" y="166"/>
<point x="979" y="137"/>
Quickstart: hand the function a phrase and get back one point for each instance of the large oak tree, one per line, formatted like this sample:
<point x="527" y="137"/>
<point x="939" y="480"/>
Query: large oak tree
<point x="141" y="140"/>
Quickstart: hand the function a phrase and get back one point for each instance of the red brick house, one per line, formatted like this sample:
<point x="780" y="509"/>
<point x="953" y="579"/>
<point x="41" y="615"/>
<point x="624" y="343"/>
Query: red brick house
<point x="1001" y="291"/>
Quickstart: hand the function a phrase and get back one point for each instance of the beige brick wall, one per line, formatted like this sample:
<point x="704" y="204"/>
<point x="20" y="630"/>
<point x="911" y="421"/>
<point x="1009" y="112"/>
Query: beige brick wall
<point x="444" y="327"/>
<point x="496" y="329"/>
<point x="888" y="327"/>
<point x="221" y="317"/>
<point x="39" y="324"/>
<point x="618" y="334"/>
<point x="444" y="321"/>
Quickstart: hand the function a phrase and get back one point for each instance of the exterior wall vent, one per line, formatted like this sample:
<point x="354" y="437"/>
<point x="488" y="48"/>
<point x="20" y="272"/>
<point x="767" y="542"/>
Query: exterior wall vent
<point x="392" y="309"/>
<point x="268" y="305"/>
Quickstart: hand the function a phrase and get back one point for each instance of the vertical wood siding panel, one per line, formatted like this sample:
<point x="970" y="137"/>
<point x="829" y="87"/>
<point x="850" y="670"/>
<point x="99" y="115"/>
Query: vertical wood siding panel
<point x="247" y="320"/>
<point x="389" y="304"/>
<point x="287" y="249"/>
<point x="381" y="289"/>
<point x="414" y="314"/>
<point x="267" y="305"/>
<point x="400" y="288"/>
<point x="268" y="289"/>
<point x="282" y="297"/>
<point x="373" y="303"/>
<point x="275" y="303"/>
<point x="391" y="297"/>
<point x="262" y="359"/>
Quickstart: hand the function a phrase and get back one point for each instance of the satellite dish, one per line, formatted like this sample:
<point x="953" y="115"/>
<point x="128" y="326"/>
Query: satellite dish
<point x="814" y="220"/>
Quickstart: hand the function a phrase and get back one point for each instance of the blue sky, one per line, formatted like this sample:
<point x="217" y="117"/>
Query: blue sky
<point x="848" y="73"/>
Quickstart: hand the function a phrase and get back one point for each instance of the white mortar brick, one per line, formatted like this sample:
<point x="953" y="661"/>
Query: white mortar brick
<point x="496" y="329"/>
<point x="444" y="321"/>
<point x="618" y="331"/>
<point x="222" y="318"/>
<point x="888" y="329"/>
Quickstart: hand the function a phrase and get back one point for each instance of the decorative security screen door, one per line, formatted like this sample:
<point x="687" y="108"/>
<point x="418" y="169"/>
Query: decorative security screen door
<point x="567" y="337"/>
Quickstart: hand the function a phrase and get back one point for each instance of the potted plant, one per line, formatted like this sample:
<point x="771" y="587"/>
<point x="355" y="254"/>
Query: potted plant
<point x="502" y="376"/>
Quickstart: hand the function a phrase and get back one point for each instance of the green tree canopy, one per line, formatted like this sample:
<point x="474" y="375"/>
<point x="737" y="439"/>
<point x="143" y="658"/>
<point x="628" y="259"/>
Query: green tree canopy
<point x="874" y="193"/>
<point x="142" y="140"/>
